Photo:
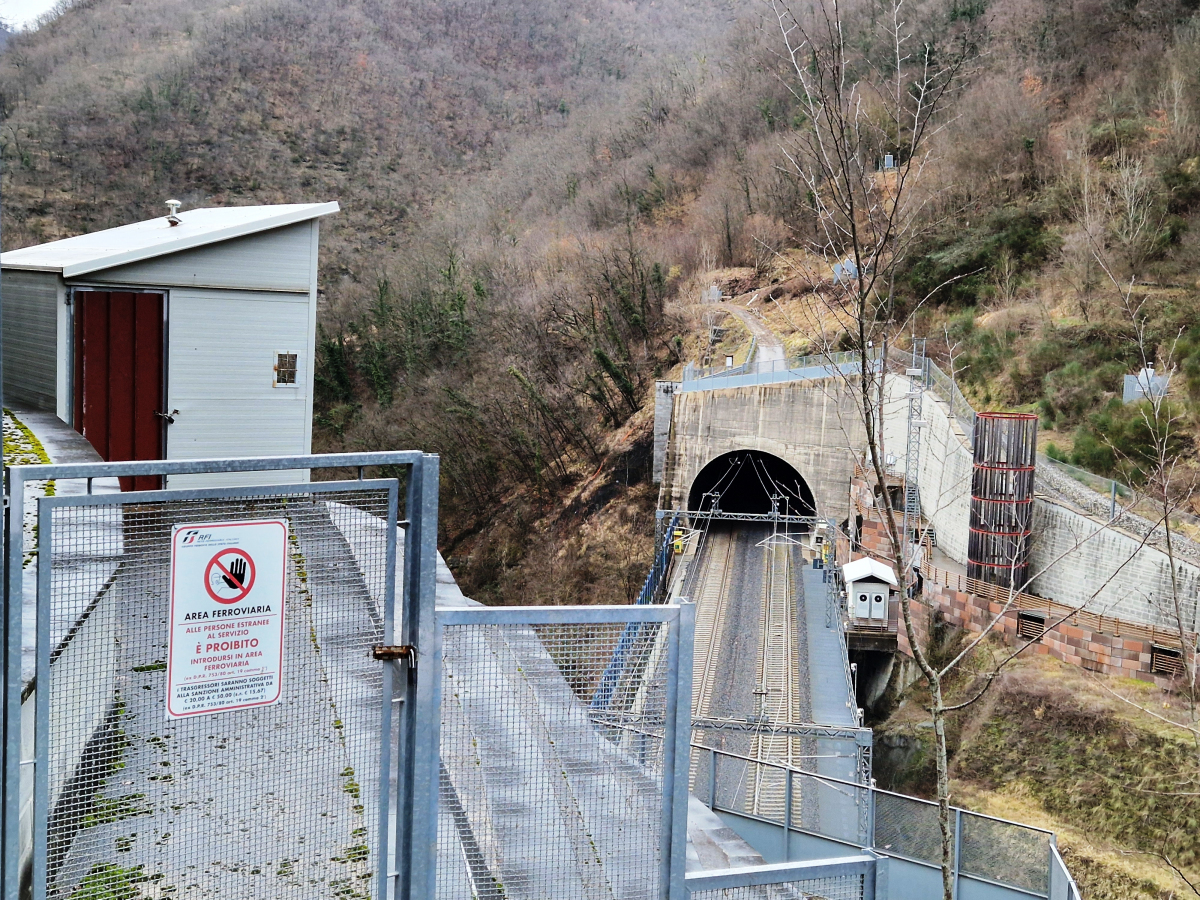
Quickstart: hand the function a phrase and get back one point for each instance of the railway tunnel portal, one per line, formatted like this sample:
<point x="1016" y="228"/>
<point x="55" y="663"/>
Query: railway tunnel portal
<point x="751" y="481"/>
<point x="803" y="431"/>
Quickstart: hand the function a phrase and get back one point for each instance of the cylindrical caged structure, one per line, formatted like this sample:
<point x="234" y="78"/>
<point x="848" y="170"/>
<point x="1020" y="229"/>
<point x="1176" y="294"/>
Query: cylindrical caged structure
<point x="1002" y="498"/>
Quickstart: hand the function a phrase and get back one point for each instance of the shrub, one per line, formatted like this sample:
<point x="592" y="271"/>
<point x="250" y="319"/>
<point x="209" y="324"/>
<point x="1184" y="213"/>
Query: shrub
<point x="970" y="254"/>
<point x="1124" y="439"/>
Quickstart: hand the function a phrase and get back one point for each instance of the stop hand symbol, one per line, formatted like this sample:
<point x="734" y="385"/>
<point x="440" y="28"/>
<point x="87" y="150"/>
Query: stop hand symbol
<point x="229" y="575"/>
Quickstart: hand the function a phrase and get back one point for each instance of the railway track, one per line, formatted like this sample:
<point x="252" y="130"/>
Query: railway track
<point x="739" y="582"/>
<point x="778" y="679"/>
<point x="713" y="598"/>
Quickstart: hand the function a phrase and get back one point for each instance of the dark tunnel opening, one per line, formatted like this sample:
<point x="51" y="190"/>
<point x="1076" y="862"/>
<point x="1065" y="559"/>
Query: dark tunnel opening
<point x="751" y="481"/>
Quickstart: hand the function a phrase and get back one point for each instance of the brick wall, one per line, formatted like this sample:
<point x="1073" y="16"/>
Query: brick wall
<point x="1096" y="651"/>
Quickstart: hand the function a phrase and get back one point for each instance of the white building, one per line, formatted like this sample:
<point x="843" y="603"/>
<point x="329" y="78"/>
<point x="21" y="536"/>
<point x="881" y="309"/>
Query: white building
<point x="870" y="588"/>
<point x="189" y="336"/>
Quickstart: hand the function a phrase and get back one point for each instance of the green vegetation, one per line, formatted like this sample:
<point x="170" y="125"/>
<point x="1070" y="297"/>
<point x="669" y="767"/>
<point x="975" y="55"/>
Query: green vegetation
<point x="111" y="882"/>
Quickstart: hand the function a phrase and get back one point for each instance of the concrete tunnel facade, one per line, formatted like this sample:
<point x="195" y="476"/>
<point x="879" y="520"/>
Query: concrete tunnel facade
<point x="810" y="426"/>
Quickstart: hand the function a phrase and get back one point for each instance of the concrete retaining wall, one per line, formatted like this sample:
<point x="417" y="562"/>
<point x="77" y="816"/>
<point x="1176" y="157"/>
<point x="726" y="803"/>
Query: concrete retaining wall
<point x="945" y="465"/>
<point x="1126" y="579"/>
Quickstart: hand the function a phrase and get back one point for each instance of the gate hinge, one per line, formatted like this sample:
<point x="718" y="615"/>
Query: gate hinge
<point x="387" y="652"/>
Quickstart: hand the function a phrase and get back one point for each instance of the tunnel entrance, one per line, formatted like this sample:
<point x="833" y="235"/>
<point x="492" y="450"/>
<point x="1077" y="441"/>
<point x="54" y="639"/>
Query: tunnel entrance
<point x="751" y="481"/>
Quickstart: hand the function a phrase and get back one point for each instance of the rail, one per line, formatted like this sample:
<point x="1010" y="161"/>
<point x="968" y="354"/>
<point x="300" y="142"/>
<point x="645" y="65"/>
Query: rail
<point x="1051" y="609"/>
<point x="841" y="878"/>
<point x="1016" y="860"/>
<point x="804" y="368"/>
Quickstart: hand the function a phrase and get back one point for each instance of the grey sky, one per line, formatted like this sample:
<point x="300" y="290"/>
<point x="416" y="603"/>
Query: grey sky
<point x="21" y="13"/>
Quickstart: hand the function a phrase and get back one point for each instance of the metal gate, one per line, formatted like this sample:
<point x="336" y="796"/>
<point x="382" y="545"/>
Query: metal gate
<point x="110" y="798"/>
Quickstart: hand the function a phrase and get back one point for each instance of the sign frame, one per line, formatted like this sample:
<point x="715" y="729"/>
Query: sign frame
<point x="188" y="612"/>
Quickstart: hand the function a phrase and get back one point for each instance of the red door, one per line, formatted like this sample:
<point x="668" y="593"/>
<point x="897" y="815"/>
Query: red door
<point x="119" y="377"/>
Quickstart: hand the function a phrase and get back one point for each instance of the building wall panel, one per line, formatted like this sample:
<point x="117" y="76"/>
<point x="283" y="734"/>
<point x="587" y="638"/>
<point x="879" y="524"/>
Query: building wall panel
<point x="277" y="260"/>
<point x="31" y="301"/>
<point x="221" y="353"/>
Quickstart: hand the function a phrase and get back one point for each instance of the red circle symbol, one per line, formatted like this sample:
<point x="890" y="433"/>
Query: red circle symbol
<point x="229" y="575"/>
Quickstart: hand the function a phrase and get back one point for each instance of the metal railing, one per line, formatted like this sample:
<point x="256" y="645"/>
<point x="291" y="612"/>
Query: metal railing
<point x="540" y="793"/>
<point x="1019" y="859"/>
<point x="93" y="704"/>
<point x="841" y="878"/>
<point x="815" y="366"/>
<point x="652" y="587"/>
<point x="1051" y="609"/>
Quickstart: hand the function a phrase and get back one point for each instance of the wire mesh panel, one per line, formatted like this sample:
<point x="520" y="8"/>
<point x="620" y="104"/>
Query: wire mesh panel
<point x="551" y="787"/>
<point x="1005" y="852"/>
<point x="826" y="806"/>
<point x="837" y="887"/>
<point x="279" y="801"/>
<point x="905" y="826"/>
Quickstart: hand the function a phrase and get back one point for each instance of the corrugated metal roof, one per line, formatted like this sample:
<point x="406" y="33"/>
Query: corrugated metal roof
<point x="157" y="237"/>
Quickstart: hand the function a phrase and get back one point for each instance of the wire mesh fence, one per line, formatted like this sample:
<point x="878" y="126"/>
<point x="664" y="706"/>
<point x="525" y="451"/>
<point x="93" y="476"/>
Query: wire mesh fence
<point x="1005" y="852"/>
<point x="545" y="793"/>
<point x="836" y="887"/>
<point x="731" y="782"/>
<point x="850" y="877"/>
<point x="275" y="801"/>
<point x="909" y="827"/>
<point x="946" y="389"/>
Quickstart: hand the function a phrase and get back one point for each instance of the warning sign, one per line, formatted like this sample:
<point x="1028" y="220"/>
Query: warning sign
<point x="226" y="619"/>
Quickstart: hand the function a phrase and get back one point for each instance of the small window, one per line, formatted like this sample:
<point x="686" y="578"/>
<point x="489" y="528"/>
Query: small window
<point x="285" y="369"/>
<point x="1166" y="661"/>
<point x="1030" y="626"/>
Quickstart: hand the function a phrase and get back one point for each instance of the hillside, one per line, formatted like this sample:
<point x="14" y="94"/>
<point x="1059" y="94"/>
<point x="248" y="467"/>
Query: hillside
<point x="534" y="195"/>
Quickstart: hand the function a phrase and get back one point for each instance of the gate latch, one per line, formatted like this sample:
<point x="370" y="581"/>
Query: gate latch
<point x="388" y="652"/>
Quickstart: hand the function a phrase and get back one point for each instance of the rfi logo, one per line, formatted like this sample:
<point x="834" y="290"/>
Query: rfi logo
<point x="194" y="535"/>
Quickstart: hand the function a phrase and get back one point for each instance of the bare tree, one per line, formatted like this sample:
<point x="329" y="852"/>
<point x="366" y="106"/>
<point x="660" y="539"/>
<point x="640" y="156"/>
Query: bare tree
<point x="872" y="103"/>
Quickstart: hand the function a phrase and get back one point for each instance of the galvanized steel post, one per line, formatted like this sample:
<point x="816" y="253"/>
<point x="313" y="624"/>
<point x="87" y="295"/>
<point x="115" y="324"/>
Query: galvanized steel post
<point x="677" y="743"/>
<point x="416" y="850"/>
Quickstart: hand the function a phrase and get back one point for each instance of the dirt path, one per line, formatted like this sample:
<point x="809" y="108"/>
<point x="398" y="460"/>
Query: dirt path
<point x="770" y="347"/>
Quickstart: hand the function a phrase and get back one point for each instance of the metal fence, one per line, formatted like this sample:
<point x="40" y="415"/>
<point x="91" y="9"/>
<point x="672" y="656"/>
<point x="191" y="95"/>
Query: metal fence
<point x="288" y="797"/>
<point x="542" y="792"/>
<point x="986" y="850"/>
<point x="656" y="578"/>
<point x="847" y="878"/>
<point x="821" y="365"/>
<point x="946" y="389"/>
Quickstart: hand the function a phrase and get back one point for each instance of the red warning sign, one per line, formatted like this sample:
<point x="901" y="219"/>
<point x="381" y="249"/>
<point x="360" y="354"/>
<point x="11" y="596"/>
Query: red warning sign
<point x="228" y="583"/>
<point x="229" y="575"/>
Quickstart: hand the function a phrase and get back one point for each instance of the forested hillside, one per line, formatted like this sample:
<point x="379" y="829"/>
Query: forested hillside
<point x="535" y="193"/>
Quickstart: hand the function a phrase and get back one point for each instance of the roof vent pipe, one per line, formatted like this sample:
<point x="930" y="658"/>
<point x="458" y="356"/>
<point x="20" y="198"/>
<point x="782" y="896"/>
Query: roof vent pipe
<point x="173" y="206"/>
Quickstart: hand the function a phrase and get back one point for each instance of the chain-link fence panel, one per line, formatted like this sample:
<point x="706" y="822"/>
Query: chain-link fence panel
<point x="905" y="826"/>
<point x="553" y="759"/>
<point x="838" y="887"/>
<point x="278" y="801"/>
<point x="1005" y="852"/>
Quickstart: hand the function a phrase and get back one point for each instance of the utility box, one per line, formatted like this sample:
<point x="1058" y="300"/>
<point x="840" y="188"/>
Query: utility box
<point x="189" y="336"/>
<point x="870" y="589"/>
